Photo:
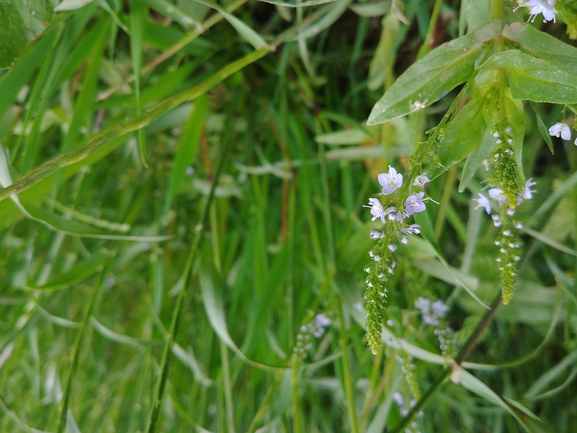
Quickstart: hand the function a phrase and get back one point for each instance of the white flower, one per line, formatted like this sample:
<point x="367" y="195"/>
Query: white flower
<point x="483" y="201"/>
<point x="439" y="308"/>
<point x="536" y="7"/>
<point x="413" y="229"/>
<point x="541" y="7"/>
<point x="390" y="181"/>
<point x="497" y="194"/>
<point x="421" y="180"/>
<point x="423" y="305"/>
<point x="560" y="129"/>
<point x="399" y="398"/>
<point x="415" y="203"/>
<point x="377" y="210"/>
<point x="528" y="193"/>
<point x="376" y="234"/>
<point x="322" y="321"/>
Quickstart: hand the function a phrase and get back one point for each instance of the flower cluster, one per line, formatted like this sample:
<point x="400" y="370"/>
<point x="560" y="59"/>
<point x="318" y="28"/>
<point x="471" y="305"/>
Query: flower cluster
<point x="316" y="328"/>
<point x="505" y="195"/>
<point x="433" y="313"/>
<point x="404" y="409"/>
<point x="395" y="229"/>
<point x="536" y="7"/>
<point x="561" y="130"/>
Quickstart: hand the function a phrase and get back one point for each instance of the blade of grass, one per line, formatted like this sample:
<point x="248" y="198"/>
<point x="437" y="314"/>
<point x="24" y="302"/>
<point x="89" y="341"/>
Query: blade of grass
<point x="76" y="350"/>
<point x="107" y="140"/>
<point x="138" y="19"/>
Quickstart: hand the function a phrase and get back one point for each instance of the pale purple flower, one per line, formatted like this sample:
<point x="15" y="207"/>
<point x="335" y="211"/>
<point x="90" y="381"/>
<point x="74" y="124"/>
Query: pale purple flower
<point x="322" y="321"/>
<point x="423" y="305"/>
<point x="404" y="240"/>
<point x="421" y="180"/>
<point x="376" y="234"/>
<point x="377" y="210"/>
<point x="560" y="129"/>
<point x="439" y="308"/>
<point x="413" y="229"/>
<point x="575" y="142"/>
<point x="545" y="7"/>
<point x="390" y="181"/>
<point x="497" y="194"/>
<point x="415" y="203"/>
<point x="398" y="398"/>
<point x="483" y="201"/>
<point x="528" y="193"/>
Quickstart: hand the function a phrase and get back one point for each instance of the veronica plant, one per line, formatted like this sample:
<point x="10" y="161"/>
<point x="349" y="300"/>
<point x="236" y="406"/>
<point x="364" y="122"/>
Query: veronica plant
<point x="500" y="64"/>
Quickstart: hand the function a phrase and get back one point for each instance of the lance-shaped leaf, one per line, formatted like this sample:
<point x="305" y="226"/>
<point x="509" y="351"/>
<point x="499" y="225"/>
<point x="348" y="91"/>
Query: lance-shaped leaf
<point x="437" y="73"/>
<point x="534" y="79"/>
<point x="543" y="46"/>
<point x="462" y="136"/>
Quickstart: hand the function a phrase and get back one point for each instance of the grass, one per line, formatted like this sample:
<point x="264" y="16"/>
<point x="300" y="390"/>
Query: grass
<point x="189" y="200"/>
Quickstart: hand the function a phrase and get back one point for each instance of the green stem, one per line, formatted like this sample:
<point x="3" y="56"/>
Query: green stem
<point x="198" y="237"/>
<point x="347" y="378"/>
<point x="449" y="183"/>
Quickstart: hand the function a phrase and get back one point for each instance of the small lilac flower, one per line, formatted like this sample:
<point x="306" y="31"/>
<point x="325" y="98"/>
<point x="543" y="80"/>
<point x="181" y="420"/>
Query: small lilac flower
<point x="322" y="321"/>
<point x="398" y="398"/>
<point x="415" y="203"/>
<point x="390" y="181"/>
<point x="560" y="129"/>
<point x="404" y="240"/>
<point x="391" y="213"/>
<point x="376" y="234"/>
<point x="413" y="229"/>
<point x="430" y="319"/>
<point x="377" y="210"/>
<point x="528" y="193"/>
<point x="575" y="142"/>
<point x="421" y="180"/>
<point x="497" y="194"/>
<point x="439" y="308"/>
<point x="423" y="305"/>
<point x="483" y="201"/>
<point x="537" y="7"/>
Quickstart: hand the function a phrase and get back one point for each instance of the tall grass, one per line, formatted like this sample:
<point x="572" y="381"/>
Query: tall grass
<point x="183" y="190"/>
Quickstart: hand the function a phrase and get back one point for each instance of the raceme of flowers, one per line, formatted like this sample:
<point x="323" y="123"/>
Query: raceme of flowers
<point x="404" y="201"/>
<point x="561" y="130"/>
<point x="316" y="328"/>
<point x="536" y="7"/>
<point x="502" y="200"/>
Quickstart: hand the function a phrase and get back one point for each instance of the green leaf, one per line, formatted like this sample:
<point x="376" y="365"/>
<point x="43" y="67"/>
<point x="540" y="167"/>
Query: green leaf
<point x="543" y="130"/>
<point x="532" y="423"/>
<point x="76" y="274"/>
<point x="465" y="133"/>
<point x="171" y="11"/>
<point x="543" y="46"/>
<point x="71" y="5"/>
<point x="476" y="158"/>
<point x="346" y="136"/>
<point x="21" y="22"/>
<point x="187" y="147"/>
<point x="244" y="30"/>
<point x="534" y="79"/>
<point x="437" y="73"/>
<point x="474" y="385"/>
